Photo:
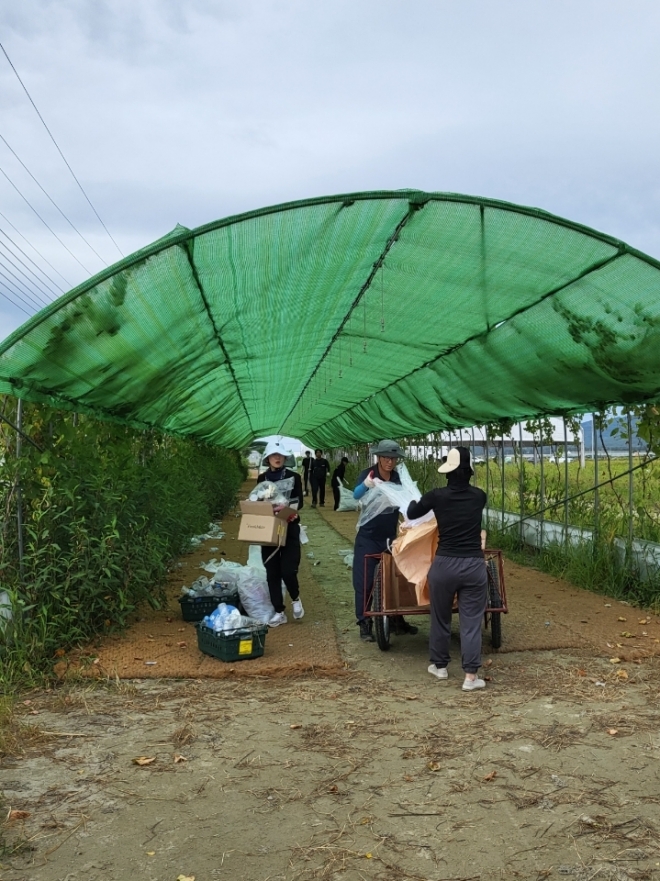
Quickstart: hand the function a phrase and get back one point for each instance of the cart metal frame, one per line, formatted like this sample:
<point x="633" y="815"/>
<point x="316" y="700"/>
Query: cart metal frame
<point x="390" y="595"/>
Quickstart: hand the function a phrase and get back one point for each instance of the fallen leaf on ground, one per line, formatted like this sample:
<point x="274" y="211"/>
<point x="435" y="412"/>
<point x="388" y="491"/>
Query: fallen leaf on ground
<point x="627" y="634"/>
<point x="488" y="662"/>
<point x="620" y="618"/>
<point x="12" y="816"/>
<point x="433" y="766"/>
<point x="151" y="853"/>
<point x="612" y="731"/>
<point x="185" y="878"/>
<point x="144" y="760"/>
<point x="491" y="776"/>
<point x="615" y="660"/>
<point x="333" y="788"/>
<point x="296" y="725"/>
<point x="181" y="644"/>
<point x="178" y="758"/>
<point x="644" y="621"/>
<point x="621" y="674"/>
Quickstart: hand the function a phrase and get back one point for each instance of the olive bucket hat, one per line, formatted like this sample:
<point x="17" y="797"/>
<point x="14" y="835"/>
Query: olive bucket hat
<point x="388" y="448"/>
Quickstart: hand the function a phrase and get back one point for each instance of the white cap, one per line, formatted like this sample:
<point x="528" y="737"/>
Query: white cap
<point x="457" y="457"/>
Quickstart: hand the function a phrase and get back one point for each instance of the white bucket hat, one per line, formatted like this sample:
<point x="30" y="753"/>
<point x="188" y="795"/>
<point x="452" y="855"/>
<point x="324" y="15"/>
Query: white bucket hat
<point x="273" y="447"/>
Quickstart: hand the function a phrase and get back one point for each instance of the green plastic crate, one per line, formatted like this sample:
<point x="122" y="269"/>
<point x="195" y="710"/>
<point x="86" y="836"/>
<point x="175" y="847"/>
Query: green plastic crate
<point x="244" y="644"/>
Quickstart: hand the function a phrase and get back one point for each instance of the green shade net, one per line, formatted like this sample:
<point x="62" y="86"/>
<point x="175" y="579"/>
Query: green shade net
<point x="349" y="318"/>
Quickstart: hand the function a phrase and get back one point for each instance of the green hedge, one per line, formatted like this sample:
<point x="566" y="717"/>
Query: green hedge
<point x="106" y="509"/>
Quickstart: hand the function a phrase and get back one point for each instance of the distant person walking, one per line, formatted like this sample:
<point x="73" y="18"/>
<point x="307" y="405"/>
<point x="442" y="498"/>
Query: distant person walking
<point x="306" y="464"/>
<point x="337" y="475"/>
<point x="319" y="472"/>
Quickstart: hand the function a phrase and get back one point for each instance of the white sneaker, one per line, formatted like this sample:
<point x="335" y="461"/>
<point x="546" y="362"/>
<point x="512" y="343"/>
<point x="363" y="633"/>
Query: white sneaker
<point x="473" y="684"/>
<point x="298" y="611"/>
<point x="277" y="619"/>
<point x="440" y="672"/>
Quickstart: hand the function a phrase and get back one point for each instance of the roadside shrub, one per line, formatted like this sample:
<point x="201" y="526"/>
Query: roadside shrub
<point x="105" y="510"/>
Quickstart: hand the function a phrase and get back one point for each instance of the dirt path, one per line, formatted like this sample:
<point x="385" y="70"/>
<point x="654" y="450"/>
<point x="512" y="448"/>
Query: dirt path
<point x="381" y="773"/>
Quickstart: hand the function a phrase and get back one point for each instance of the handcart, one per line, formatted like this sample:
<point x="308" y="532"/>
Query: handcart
<point x="391" y="596"/>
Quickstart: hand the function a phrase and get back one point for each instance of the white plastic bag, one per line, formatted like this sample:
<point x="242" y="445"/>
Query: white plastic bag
<point x="346" y="500"/>
<point x="253" y="591"/>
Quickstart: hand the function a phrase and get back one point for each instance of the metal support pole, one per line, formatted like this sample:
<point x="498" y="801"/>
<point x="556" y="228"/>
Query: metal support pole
<point x="487" y="465"/>
<point x="502" y="466"/>
<point x="631" y="487"/>
<point x="594" y="447"/>
<point x="542" y="488"/>
<point x="563" y="419"/>
<point x="19" y="494"/>
<point x="521" y="480"/>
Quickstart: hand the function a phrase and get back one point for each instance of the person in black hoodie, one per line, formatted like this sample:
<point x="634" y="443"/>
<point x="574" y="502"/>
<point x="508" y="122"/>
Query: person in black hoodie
<point x="282" y="563"/>
<point x="458" y="567"/>
<point x="337" y="475"/>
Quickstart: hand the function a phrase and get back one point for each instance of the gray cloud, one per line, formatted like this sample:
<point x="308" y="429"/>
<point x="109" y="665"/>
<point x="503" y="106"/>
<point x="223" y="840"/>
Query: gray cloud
<point x="186" y="112"/>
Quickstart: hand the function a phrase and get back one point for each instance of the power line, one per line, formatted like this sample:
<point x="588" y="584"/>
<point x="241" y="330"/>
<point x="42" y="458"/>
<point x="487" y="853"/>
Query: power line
<point x="30" y="205"/>
<point x="36" y="265"/>
<point x="39" y="291"/>
<point x="37" y="281"/>
<point x="36" y="251"/>
<point x="18" y="306"/>
<point x="52" y="201"/>
<point x="58" y="149"/>
<point x="34" y="297"/>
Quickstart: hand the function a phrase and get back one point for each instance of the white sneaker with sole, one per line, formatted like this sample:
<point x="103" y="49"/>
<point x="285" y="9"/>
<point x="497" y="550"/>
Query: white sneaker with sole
<point x="473" y="684"/>
<point x="298" y="611"/>
<point x="439" y="672"/>
<point x="277" y="619"/>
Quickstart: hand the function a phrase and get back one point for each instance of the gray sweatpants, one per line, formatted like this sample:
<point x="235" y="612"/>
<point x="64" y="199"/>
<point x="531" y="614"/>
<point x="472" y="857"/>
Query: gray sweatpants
<point x="466" y="576"/>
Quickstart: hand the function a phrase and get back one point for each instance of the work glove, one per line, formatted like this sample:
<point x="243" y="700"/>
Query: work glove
<point x="369" y="480"/>
<point x="292" y="518"/>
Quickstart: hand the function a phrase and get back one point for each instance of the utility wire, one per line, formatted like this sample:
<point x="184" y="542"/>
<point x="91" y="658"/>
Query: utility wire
<point x="40" y="292"/>
<point x="38" y="302"/>
<point x="30" y="205"/>
<point x="7" y="220"/>
<point x="52" y="201"/>
<point x="17" y="305"/>
<point x="27" y="257"/>
<point x="58" y="149"/>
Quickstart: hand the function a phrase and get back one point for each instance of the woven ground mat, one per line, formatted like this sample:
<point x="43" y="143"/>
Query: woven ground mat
<point x="160" y="644"/>
<point x="546" y="612"/>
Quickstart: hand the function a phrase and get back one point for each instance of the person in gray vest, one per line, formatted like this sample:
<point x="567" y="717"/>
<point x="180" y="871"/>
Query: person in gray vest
<point x="459" y="566"/>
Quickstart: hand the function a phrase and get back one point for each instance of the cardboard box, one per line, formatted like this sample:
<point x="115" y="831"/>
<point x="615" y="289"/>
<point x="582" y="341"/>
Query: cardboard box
<point x="260" y="525"/>
<point x="398" y="592"/>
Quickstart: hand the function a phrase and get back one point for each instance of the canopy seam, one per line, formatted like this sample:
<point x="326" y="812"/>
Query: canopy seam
<point x="193" y="269"/>
<point x="593" y="268"/>
<point x="365" y="287"/>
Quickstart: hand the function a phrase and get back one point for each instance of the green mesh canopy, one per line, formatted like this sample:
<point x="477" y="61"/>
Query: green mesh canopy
<point x="349" y="318"/>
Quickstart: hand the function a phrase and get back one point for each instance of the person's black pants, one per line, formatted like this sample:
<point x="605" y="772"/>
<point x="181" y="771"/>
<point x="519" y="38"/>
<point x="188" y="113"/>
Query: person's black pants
<point x="318" y="489"/>
<point x="337" y="495"/>
<point x="283" y="567"/>
<point x="365" y="545"/>
<point x="306" y="482"/>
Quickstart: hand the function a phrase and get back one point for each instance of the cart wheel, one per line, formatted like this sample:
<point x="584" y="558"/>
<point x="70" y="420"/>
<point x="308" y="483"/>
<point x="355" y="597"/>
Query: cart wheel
<point x="381" y="622"/>
<point x="496" y="629"/>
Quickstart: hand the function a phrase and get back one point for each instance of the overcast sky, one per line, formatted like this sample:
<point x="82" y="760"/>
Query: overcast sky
<point x="185" y="112"/>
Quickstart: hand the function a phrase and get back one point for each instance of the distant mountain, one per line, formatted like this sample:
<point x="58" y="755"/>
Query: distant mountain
<point x="616" y="441"/>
